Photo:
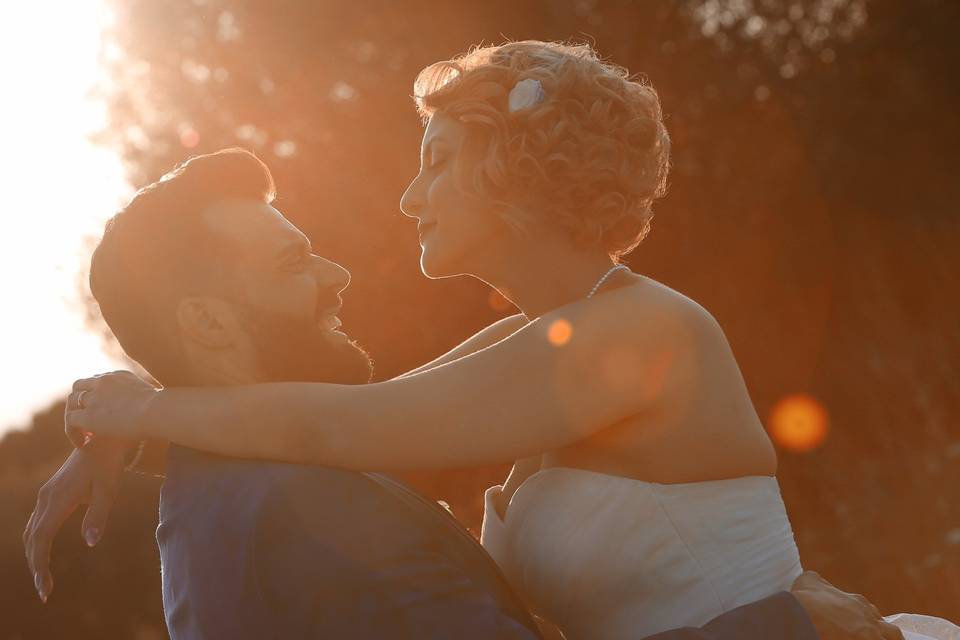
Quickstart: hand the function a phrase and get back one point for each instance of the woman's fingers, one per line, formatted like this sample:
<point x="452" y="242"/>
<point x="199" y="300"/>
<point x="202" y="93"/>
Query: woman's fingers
<point x="51" y="510"/>
<point x="76" y="414"/>
<point x="27" y="537"/>
<point x="85" y="384"/>
<point x="73" y="425"/>
<point x="40" y="561"/>
<point x="80" y="399"/>
<point x="73" y="414"/>
<point x="95" y="519"/>
<point x="106" y="404"/>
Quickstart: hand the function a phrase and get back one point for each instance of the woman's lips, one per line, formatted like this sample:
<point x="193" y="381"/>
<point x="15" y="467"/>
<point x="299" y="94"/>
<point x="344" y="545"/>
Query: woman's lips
<point x="424" y="228"/>
<point x="330" y="323"/>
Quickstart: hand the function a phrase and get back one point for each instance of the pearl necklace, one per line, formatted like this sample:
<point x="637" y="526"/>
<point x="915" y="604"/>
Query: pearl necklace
<point x="613" y="269"/>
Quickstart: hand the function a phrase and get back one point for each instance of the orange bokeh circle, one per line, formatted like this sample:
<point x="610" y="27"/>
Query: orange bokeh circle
<point x="559" y="332"/>
<point x="799" y="423"/>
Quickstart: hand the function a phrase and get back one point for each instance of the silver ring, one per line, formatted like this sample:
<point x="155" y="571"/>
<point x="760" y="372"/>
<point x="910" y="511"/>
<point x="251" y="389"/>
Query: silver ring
<point x="80" y="399"/>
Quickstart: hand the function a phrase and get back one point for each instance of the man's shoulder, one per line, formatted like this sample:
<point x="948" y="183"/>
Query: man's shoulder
<point x="238" y="490"/>
<point x="296" y="503"/>
<point x="333" y="499"/>
<point x="189" y="464"/>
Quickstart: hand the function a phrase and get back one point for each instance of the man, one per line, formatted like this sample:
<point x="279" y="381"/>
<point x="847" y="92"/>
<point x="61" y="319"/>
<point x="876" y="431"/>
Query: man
<point x="204" y="283"/>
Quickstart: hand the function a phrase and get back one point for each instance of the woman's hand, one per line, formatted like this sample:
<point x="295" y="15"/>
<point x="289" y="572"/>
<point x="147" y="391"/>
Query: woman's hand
<point x="110" y="404"/>
<point x="90" y="476"/>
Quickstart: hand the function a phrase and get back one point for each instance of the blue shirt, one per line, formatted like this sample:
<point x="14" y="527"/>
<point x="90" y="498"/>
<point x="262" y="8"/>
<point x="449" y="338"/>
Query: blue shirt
<point x="263" y="550"/>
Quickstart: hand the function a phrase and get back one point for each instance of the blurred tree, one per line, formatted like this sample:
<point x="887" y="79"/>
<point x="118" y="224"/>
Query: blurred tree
<point x="112" y="591"/>
<point x="813" y="210"/>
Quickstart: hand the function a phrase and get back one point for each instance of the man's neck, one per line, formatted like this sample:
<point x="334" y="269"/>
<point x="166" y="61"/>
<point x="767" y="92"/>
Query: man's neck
<point x="220" y="375"/>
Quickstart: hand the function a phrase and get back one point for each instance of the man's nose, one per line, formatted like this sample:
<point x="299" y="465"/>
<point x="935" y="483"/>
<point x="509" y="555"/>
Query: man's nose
<point x="332" y="275"/>
<point x="412" y="201"/>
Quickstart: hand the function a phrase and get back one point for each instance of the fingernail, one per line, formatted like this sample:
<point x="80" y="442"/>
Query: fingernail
<point x="92" y="536"/>
<point x="39" y="587"/>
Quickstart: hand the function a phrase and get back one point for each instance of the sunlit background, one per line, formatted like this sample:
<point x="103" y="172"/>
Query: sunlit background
<point x="59" y="189"/>
<point x="813" y="209"/>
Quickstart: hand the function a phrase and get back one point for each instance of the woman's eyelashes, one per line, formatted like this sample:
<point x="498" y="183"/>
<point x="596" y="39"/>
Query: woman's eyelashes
<point x="436" y="158"/>
<point x="299" y="264"/>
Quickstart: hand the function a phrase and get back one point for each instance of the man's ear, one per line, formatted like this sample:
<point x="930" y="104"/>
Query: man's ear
<point x="205" y="321"/>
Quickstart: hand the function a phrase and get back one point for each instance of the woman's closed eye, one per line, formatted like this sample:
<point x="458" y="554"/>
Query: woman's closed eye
<point x="298" y="264"/>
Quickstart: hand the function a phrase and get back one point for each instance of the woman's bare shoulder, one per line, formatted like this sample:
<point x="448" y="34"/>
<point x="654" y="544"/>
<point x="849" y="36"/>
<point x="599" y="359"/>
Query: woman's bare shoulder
<point x="650" y="306"/>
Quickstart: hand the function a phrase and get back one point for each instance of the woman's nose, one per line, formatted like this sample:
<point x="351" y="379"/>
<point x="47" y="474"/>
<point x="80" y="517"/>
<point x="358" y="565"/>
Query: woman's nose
<point x="412" y="201"/>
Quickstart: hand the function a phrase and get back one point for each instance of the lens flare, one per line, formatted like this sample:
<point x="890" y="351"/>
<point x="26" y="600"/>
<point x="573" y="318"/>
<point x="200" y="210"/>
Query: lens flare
<point x="189" y="137"/>
<point x="799" y="423"/>
<point x="559" y="332"/>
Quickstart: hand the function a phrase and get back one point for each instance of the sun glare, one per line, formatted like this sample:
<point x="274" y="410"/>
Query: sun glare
<point x="59" y="190"/>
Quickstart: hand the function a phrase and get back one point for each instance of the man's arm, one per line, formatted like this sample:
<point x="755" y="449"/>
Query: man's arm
<point x="840" y="615"/>
<point x="779" y="617"/>
<point x="813" y="609"/>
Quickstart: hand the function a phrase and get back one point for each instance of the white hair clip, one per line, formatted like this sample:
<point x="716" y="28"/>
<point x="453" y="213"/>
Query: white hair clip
<point x="525" y="94"/>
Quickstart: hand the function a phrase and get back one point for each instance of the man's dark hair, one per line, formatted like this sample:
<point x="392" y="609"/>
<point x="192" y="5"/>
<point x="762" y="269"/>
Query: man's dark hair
<point x="157" y="250"/>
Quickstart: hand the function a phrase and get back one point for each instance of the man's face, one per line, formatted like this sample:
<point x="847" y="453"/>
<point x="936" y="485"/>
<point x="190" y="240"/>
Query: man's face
<point x="287" y="299"/>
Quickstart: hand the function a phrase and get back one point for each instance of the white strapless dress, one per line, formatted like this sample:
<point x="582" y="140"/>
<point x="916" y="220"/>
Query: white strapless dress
<point x="610" y="558"/>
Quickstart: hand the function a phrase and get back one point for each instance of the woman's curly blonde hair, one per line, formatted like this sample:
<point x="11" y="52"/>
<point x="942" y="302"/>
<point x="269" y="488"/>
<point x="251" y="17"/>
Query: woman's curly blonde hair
<point x="593" y="155"/>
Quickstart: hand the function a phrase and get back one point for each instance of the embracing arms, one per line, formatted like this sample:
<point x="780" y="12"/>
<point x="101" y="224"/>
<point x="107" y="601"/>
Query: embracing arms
<point x="553" y="382"/>
<point x="92" y="475"/>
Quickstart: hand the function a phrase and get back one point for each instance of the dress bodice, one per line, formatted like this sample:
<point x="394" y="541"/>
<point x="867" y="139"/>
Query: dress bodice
<point x="612" y="558"/>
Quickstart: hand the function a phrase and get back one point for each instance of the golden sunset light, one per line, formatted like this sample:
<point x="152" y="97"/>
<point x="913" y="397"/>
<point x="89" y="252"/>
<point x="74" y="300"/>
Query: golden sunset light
<point x="60" y="189"/>
<point x="640" y="293"/>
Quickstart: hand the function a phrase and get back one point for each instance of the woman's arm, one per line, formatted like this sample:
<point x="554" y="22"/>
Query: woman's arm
<point x="482" y="339"/>
<point x="554" y="382"/>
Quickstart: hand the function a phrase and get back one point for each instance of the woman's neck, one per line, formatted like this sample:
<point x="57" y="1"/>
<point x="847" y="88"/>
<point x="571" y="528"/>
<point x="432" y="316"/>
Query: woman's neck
<point x="542" y="280"/>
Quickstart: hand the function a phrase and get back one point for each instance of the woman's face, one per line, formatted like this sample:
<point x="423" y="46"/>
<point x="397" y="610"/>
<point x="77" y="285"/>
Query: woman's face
<point x="459" y="232"/>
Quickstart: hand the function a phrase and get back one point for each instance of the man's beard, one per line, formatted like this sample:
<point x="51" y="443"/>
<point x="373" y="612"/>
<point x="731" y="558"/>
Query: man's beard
<point x="292" y="349"/>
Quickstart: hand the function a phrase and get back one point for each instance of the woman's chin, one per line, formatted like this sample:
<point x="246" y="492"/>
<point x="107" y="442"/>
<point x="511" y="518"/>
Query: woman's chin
<point x="434" y="267"/>
<point x="436" y="263"/>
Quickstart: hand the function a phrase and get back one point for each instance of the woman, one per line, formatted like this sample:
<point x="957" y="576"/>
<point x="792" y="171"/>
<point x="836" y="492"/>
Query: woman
<point x="645" y="496"/>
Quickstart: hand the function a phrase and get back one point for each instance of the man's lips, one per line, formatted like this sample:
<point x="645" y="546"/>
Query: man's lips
<point x="327" y="319"/>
